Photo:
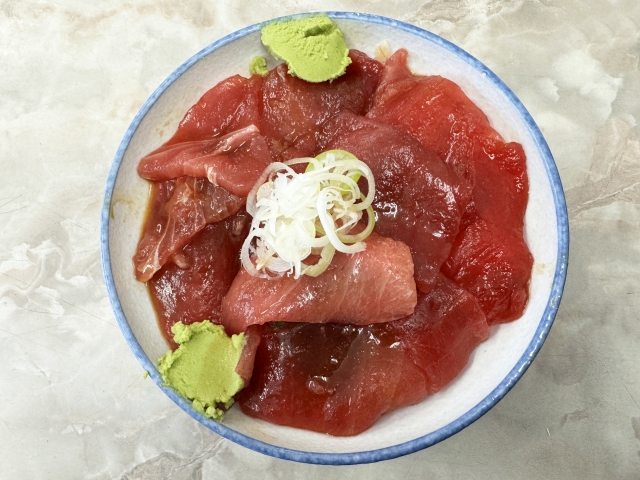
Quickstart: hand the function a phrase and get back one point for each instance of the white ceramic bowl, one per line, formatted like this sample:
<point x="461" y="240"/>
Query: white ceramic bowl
<point x="495" y="366"/>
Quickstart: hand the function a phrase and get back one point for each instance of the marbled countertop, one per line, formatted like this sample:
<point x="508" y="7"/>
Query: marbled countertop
<point x="73" y="401"/>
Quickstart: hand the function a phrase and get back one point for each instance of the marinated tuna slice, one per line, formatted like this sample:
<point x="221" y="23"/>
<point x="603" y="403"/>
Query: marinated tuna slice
<point x="179" y="209"/>
<point x="490" y="257"/>
<point x="231" y="105"/>
<point x="418" y="201"/>
<point x="191" y="288"/>
<point x="447" y="321"/>
<point x="501" y="184"/>
<point x="494" y="265"/>
<point x="339" y="379"/>
<point x="294" y="110"/>
<point x="438" y="113"/>
<point x="372" y="286"/>
<point x="433" y="109"/>
<point x="233" y="161"/>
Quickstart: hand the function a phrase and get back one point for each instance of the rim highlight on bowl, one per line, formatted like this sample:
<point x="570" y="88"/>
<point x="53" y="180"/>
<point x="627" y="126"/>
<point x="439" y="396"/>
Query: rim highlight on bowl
<point x="547" y="307"/>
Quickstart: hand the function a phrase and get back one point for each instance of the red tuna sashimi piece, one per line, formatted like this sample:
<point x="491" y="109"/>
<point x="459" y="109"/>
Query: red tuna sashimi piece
<point x="375" y="285"/>
<point x="494" y="265"/>
<point x="233" y="161"/>
<point x="501" y="184"/>
<point x="438" y="113"/>
<point x="490" y="257"/>
<point x="418" y="201"/>
<point x="192" y="291"/>
<point x="294" y="110"/>
<point x="231" y="105"/>
<point x="330" y="378"/>
<point x="339" y="379"/>
<point x="446" y="321"/>
<point x="433" y="109"/>
<point x="178" y="210"/>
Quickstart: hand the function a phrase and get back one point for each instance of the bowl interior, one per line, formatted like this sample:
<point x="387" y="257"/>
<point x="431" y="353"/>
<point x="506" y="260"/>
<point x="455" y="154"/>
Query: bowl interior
<point x="496" y="364"/>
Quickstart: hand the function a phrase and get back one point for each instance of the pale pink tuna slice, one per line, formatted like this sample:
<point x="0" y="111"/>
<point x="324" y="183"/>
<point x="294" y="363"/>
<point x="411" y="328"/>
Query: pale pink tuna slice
<point x="372" y="286"/>
<point x="233" y="161"/>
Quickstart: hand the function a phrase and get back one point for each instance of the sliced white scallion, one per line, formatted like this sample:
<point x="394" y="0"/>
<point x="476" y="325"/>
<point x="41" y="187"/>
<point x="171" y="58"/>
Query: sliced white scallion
<point x="299" y="214"/>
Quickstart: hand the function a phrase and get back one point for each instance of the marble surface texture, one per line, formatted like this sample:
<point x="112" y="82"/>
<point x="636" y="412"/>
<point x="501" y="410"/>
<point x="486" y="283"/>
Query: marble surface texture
<point x="73" y="401"/>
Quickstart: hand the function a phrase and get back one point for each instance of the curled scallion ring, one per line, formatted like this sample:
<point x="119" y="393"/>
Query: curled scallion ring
<point x="299" y="214"/>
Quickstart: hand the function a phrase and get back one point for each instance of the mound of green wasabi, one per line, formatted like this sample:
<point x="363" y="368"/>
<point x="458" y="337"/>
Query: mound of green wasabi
<point x="202" y="369"/>
<point x="313" y="47"/>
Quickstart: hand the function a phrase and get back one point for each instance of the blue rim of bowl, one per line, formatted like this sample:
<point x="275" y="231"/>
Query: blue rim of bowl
<point x="413" y="445"/>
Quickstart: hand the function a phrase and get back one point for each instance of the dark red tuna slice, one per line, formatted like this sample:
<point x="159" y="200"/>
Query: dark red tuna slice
<point x="178" y="210"/>
<point x="447" y="321"/>
<point x="339" y="379"/>
<point x="372" y="286"/>
<point x="433" y="109"/>
<point x="494" y="264"/>
<point x="294" y="110"/>
<point x="193" y="291"/>
<point x="418" y="201"/>
<point x="231" y="105"/>
<point x="233" y="161"/>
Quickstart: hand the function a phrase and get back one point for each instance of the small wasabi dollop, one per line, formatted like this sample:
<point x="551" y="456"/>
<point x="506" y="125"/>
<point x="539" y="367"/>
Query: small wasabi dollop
<point x="202" y="369"/>
<point x="258" y="66"/>
<point x="313" y="47"/>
